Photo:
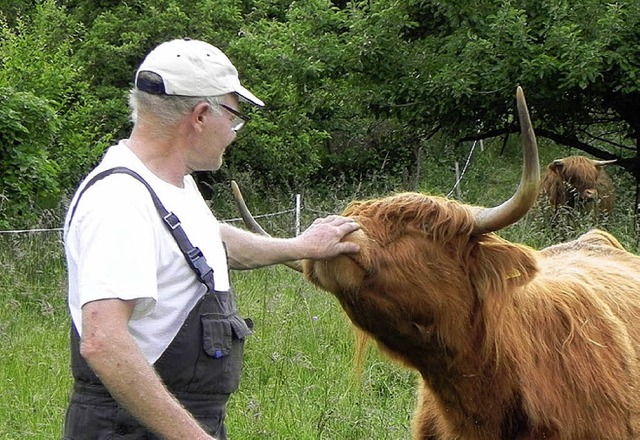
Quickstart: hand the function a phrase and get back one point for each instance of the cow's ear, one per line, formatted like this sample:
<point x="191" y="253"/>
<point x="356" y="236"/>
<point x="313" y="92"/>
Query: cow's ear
<point x="499" y="267"/>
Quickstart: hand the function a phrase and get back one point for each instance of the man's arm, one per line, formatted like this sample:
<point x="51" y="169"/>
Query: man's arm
<point x="115" y="358"/>
<point x="322" y="240"/>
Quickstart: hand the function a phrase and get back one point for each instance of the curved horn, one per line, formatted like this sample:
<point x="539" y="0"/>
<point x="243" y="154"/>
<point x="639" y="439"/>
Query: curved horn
<point x="252" y="224"/>
<point x="494" y="219"/>
<point x="600" y="163"/>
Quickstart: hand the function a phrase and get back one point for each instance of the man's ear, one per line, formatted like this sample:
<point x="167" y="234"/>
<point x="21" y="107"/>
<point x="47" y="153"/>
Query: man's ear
<point x="199" y="113"/>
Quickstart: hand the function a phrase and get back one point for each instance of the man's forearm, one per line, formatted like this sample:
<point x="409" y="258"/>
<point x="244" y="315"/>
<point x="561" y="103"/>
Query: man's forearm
<point x="323" y="239"/>
<point x="137" y="387"/>
<point x="248" y="250"/>
<point x="115" y="358"/>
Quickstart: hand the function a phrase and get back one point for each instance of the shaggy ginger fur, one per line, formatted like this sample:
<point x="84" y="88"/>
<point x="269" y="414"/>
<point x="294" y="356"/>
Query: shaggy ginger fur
<point x="511" y="343"/>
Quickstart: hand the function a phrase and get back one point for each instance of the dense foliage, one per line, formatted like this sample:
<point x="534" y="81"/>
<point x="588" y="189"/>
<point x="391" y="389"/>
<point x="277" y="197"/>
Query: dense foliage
<point x="354" y="89"/>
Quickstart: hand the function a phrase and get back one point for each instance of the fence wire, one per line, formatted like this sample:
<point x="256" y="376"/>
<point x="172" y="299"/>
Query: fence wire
<point x="276" y="223"/>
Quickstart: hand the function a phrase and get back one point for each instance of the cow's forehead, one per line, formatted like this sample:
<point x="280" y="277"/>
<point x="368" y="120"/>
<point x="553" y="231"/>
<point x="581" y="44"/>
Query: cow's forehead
<point x="389" y="218"/>
<point x="580" y="166"/>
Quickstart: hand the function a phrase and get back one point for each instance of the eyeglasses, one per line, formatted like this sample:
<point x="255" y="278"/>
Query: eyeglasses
<point x="239" y="120"/>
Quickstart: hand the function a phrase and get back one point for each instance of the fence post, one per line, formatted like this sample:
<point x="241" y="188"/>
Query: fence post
<point x="458" y="179"/>
<point x="298" y="207"/>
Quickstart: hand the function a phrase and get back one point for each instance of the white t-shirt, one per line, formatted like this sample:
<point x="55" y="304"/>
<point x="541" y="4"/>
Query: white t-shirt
<point x="118" y="247"/>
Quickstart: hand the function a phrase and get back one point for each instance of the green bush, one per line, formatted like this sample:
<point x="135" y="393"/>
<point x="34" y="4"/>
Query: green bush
<point x="28" y="126"/>
<point x="48" y="132"/>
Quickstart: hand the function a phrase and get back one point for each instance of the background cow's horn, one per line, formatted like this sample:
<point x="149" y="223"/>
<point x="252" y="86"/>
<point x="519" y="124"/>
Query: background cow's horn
<point x="494" y="219"/>
<point x="252" y="224"/>
<point x="601" y="163"/>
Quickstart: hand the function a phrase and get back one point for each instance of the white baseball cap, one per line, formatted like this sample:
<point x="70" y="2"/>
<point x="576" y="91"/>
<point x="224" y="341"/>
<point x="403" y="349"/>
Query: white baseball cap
<point x="192" y="68"/>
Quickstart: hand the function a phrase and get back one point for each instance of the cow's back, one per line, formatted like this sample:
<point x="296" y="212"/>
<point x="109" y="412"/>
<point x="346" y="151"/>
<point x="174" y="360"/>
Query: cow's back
<point x="598" y="262"/>
<point x="584" y="308"/>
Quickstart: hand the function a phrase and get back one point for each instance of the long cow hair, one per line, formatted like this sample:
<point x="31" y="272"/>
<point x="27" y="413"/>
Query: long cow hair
<point x="510" y="342"/>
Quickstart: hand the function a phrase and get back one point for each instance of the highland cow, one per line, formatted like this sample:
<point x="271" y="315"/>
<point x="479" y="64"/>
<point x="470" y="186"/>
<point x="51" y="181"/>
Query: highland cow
<point x="578" y="183"/>
<point x="511" y="343"/>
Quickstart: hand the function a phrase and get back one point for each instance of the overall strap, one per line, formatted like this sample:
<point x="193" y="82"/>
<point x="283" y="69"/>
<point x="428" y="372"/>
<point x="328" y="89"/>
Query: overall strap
<point x="193" y="254"/>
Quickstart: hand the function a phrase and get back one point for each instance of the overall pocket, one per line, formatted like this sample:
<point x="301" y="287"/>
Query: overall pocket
<point x="220" y="366"/>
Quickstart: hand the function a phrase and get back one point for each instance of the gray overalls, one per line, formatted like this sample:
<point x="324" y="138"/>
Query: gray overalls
<point x="201" y="367"/>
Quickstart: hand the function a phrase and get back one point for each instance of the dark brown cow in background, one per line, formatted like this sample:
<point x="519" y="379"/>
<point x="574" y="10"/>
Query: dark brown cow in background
<point x="577" y="182"/>
<point x="511" y="343"/>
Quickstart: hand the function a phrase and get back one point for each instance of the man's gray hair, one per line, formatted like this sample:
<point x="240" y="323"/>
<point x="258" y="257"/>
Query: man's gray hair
<point x="167" y="108"/>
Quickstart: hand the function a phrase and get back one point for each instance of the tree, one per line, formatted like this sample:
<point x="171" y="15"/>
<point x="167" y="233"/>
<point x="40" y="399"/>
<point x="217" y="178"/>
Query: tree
<point x="353" y="88"/>
<point x="323" y="71"/>
<point x="579" y="64"/>
<point x="39" y="87"/>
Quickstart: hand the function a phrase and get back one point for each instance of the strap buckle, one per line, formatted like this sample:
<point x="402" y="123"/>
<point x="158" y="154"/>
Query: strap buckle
<point x="199" y="263"/>
<point x="171" y="220"/>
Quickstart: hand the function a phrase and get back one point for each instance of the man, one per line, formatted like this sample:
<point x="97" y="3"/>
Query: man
<point x="140" y="369"/>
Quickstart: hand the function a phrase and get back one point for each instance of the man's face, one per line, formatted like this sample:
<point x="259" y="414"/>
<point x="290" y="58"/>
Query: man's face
<point x="215" y="135"/>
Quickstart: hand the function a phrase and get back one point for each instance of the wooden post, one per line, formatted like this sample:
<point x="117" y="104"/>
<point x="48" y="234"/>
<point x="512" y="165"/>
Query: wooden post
<point x="457" y="179"/>
<point x="298" y="209"/>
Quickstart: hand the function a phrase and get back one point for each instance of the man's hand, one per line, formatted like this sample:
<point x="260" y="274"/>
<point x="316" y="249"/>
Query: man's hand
<point x="324" y="238"/>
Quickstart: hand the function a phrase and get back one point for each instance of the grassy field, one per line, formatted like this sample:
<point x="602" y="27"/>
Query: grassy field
<point x="298" y="380"/>
<point x="34" y="377"/>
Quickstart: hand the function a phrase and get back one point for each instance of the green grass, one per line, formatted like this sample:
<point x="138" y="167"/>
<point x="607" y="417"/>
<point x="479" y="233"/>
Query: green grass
<point x="34" y="372"/>
<point x="298" y="380"/>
